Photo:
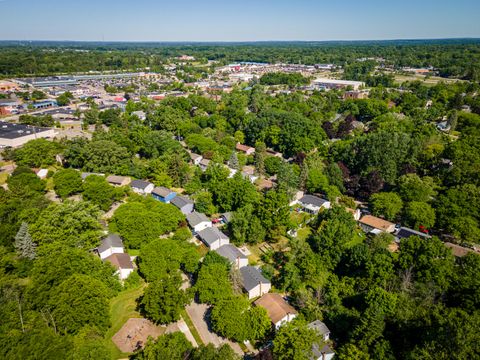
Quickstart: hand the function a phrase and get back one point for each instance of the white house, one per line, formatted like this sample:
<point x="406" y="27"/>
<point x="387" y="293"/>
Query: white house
<point x="312" y="204"/>
<point x="278" y="310"/>
<point x="370" y="223"/>
<point x="196" y="158"/>
<point x="112" y="244"/>
<point x="321" y="350"/>
<point x="142" y="187"/>
<point x="42" y="173"/>
<point x="198" y="221"/>
<point x="233" y="255"/>
<point x="254" y="283"/>
<point x="123" y="263"/>
<point x="213" y="238"/>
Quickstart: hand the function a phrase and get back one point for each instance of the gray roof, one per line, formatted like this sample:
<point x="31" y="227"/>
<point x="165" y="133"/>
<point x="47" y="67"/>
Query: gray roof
<point x="139" y="184"/>
<point x="252" y="277"/>
<point x="115" y="179"/>
<point x="196" y="218"/>
<point x="230" y="252"/>
<point x="205" y="162"/>
<point x="194" y="156"/>
<point x="313" y="200"/>
<point x="181" y="201"/>
<point x="211" y="234"/>
<point x="14" y="131"/>
<point x="319" y="327"/>
<point x="112" y="240"/>
<point x="162" y="191"/>
<point x="227" y="216"/>
<point x="318" y="353"/>
<point x="406" y="233"/>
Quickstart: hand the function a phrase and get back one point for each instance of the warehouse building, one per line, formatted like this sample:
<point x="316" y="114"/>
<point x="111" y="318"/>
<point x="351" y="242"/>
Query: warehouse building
<point x="15" y="135"/>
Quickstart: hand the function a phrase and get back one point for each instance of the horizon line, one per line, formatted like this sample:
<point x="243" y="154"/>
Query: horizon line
<point x="241" y="41"/>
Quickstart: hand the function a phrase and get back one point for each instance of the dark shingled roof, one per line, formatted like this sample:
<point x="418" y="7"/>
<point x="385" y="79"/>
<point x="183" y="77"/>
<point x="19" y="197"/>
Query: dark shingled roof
<point x="162" y="191"/>
<point x="181" y="201"/>
<point x="406" y="233"/>
<point x="319" y="327"/>
<point x="112" y="240"/>
<point x="252" y="277"/>
<point x="14" y="131"/>
<point x="139" y="184"/>
<point x="313" y="200"/>
<point x="211" y="234"/>
<point x="196" y="218"/>
<point x="230" y="252"/>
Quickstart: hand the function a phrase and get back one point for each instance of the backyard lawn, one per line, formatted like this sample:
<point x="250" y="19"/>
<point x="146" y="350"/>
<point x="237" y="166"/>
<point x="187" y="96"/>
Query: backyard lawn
<point x="122" y="308"/>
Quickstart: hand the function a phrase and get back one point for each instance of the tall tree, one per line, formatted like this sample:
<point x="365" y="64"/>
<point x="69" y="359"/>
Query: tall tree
<point x="163" y="300"/>
<point x="24" y="244"/>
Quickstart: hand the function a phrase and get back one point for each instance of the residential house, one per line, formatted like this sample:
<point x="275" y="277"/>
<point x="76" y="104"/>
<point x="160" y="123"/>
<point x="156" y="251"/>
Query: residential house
<point x="355" y="94"/>
<point x="459" y="251"/>
<point x="254" y="283"/>
<point x="356" y="213"/>
<point x="370" y="223"/>
<point x="163" y="194"/>
<point x="271" y="152"/>
<point x="140" y="114"/>
<point x="142" y="187"/>
<point x="248" y="172"/>
<point x="198" y="221"/>
<point x="265" y="184"/>
<point x="123" y="263"/>
<point x="204" y="164"/>
<point x="321" y="350"/>
<point x="321" y="329"/>
<point x="405" y="232"/>
<point x="233" y="255"/>
<point x="42" y="173"/>
<point x="196" y="159"/>
<point x="112" y="244"/>
<point x="247" y="150"/>
<point x="118" y="180"/>
<point x="184" y="204"/>
<point x="213" y="238"/>
<point x="226" y="217"/>
<point x="278" y="310"/>
<point x="312" y="204"/>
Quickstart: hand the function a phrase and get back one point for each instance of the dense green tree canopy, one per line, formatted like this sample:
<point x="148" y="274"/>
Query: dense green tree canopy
<point x="143" y="220"/>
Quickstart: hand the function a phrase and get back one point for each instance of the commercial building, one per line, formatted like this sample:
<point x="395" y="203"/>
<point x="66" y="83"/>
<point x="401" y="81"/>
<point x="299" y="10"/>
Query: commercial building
<point x="324" y="83"/>
<point x="15" y="135"/>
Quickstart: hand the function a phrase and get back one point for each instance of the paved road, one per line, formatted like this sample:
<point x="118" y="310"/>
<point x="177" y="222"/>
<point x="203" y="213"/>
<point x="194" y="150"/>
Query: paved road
<point x="197" y="314"/>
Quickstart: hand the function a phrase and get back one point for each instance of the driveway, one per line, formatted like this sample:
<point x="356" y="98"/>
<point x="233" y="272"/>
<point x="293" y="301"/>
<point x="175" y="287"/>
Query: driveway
<point x="197" y="313"/>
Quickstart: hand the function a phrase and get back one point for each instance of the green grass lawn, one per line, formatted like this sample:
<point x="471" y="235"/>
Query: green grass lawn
<point x="122" y="308"/>
<point x="3" y="178"/>
<point x="304" y="232"/>
<point x="192" y="328"/>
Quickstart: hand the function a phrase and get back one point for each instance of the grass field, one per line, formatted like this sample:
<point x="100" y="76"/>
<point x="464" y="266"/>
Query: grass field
<point x="428" y="81"/>
<point x="122" y="308"/>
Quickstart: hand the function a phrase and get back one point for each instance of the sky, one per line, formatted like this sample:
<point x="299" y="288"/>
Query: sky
<point x="240" y="20"/>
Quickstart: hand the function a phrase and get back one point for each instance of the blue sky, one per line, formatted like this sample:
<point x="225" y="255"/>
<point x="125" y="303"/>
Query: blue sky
<point x="240" y="20"/>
